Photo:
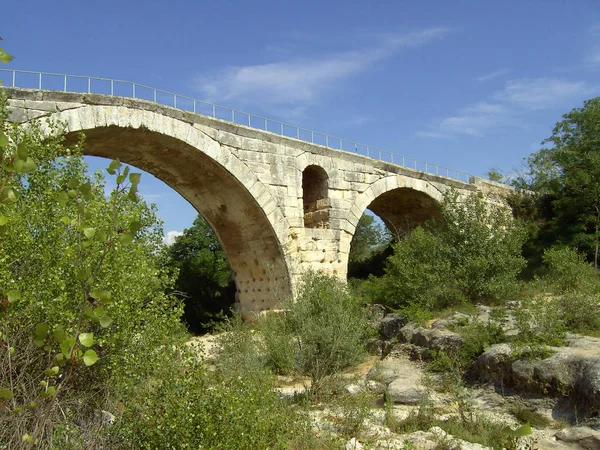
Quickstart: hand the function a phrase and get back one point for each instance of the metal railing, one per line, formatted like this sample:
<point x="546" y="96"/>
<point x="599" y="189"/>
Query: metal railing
<point x="122" y="88"/>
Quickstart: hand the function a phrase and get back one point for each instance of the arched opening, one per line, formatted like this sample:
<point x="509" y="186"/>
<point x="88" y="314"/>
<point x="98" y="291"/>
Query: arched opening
<point x="390" y="217"/>
<point x="249" y="241"/>
<point x="403" y="209"/>
<point x="315" y="197"/>
<point x="193" y="254"/>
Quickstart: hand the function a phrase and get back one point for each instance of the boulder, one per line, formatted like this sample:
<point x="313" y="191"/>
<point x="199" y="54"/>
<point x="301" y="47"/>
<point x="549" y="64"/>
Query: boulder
<point x="583" y="436"/>
<point x="405" y="391"/>
<point x="391" y="326"/>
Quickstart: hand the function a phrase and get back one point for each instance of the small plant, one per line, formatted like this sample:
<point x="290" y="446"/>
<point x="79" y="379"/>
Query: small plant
<point x="525" y="415"/>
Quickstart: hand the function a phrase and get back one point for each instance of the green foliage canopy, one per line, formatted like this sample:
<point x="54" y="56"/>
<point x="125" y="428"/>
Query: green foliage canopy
<point x="204" y="274"/>
<point x="568" y="174"/>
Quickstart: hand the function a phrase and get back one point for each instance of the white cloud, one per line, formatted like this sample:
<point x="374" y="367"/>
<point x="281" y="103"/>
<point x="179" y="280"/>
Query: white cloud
<point x="170" y="237"/>
<point x="542" y="93"/>
<point x="492" y="75"/>
<point x="303" y="81"/>
<point x="510" y="106"/>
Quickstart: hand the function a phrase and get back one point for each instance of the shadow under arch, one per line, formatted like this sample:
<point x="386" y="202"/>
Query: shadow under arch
<point x="234" y="210"/>
<point x="402" y="203"/>
<point x="403" y="209"/>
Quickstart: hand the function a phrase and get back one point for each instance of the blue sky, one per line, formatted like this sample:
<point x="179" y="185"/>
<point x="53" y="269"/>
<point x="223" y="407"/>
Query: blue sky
<point x="466" y="84"/>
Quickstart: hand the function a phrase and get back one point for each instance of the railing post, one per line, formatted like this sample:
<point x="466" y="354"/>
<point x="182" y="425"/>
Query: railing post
<point x="194" y="106"/>
<point x="112" y="87"/>
<point x="297" y="133"/>
<point x="233" y="116"/>
<point x="249" y="122"/>
<point x="14" y="79"/>
<point x="281" y="128"/>
<point x="327" y="141"/>
<point x="133" y="89"/>
<point x="154" y="95"/>
<point x="214" y="111"/>
<point x="65" y="84"/>
<point x="89" y="85"/>
<point x="40" y="81"/>
<point x="175" y="101"/>
<point x="266" y="128"/>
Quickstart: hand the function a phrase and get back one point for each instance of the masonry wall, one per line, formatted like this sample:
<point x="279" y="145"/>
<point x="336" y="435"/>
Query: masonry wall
<point x="270" y="168"/>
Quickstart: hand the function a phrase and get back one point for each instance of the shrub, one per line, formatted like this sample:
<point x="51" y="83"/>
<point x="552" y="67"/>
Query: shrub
<point x="323" y="330"/>
<point x="473" y="253"/>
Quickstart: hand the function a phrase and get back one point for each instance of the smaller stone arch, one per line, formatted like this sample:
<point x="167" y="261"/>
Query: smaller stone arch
<point x="315" y="194"/>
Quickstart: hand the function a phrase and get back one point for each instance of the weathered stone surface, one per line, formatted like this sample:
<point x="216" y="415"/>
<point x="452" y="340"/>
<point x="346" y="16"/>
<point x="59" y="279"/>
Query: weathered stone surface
<point x="391" y="325"/>
<point x="248" y="183"/>
<point x="583" y="436"/>
<point x="407" y="391"/>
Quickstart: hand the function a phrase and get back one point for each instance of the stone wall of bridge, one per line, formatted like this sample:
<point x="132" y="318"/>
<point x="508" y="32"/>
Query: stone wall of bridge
<point x="280" y="206"/>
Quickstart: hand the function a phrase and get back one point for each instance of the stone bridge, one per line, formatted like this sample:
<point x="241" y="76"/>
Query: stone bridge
<point x="279" y="205"/>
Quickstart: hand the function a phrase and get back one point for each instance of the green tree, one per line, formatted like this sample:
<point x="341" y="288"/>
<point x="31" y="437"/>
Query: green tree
<point x="567" y="175"/>
<point x="204" y="276"/>
<point x="368" y="249"/>
<point x="80" y="286"/>
<point x="473" y="253"/>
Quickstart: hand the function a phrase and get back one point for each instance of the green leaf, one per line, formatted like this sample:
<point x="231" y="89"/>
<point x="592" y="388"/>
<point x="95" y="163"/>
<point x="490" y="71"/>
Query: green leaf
<point x="62" y="198"/>
<point x="114" y="166"/>
<point x="22" y="151"/>
<point x="31" y="406"/>
<point x="135" y="226"/>
<point x="41" y="329"/>
<point x="73" y="183"/>
<point x="131" y="194"/>
<point x="28" y="166"/>
<point x="120" y="179"/>
<point x="66" y="344"/>
<point x="3" y="220"/>
<point x="59" y="333"/>
<point x="101" y="235"/>
<point x="9" y="193"/>
<point x="27" y="438"/>
<point x="523" y="430"/>
<point x="49" y="393"/>
<point x="6" y="394"/>
<point x="86" y="339"/>
<point x="134" y="178"/>
<point x="90" y="358"/>
<point x="39" y="341"/>
<point x="125" y="171"/>
<point x="72" y="193"/>
<point x="105" y="321"/>
<point x="52" y="371"/>
<point x="100" y="294"/>
<point x="89" y="232"/>
<point x="89" y="311"/>
<point x="126" y="238"/>
<point x="3" y="140"/>
<point x="5" y="57"/>
<point x="13" y="295"/>
<point x="60" y="359"/>
<point x="86" y="190"/>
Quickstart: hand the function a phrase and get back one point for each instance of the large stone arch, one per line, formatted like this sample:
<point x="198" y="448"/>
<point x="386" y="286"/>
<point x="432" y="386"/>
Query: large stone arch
<point x="214" y="181"/>
<point x="401" y="202"/>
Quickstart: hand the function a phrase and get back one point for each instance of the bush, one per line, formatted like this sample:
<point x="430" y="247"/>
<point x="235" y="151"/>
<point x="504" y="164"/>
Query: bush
<point x="473" y="253"/>
<point x="324" y="329"/>
<point x="577" y="286"/>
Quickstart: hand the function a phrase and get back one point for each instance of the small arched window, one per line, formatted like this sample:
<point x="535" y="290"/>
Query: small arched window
<point x="315" y="196"/>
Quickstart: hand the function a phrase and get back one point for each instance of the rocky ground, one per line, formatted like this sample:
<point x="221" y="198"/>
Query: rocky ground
<point x="561" y="390"/>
